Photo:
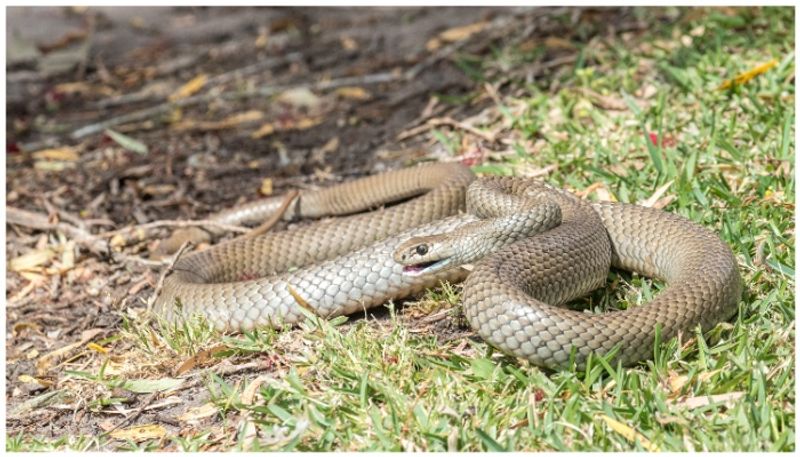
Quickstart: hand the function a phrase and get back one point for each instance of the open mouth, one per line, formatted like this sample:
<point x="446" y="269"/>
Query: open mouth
<point x="422" y="268"/>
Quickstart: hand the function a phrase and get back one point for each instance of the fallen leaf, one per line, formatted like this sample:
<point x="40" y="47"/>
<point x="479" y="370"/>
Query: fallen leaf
<point x="629" y="433"/>
<point x="31" y="260"/>
<point x="552" y="42"/>
<point x="20" y="326"/>
<point x="697" y="402"/>
<point x="348" y="43"/>
<point x="305" y="123"/>
<point x="606" y="102"/>
<point x="675" y="382"/>
<point x="356" y="93"/>
<point x="433" y="44"/>
<point x="27" y="379"/>
<point x="300" y="300"/>
<point x="189" y="88"/>
<point x="46" y="361"/>
<point x="300" y="97"/>
<point x="226" y="123"/>
<point x="97" y="348"/>
<point x="63" y="41"/>
<point x="318" y="155"/>
<point x="127" y="142"/>
<point x="463" y="32"/>
<point x="198" y="412"/>
<point x="52" y="166"/>
<point x="148" y="386"/>
<point x="65" y="153"/>
<point x="45" y="399"/>
<point x="140" y="433"/>
<point x="67" y="257"/>
<point x="264" y="130"/>
<point x="80" y="87"/>
<point x="266" y="186"/>
<point x="199" y="359"/>
<point x="743" y="78"/>
<point x="650" y="202"/>
<point x="249" y="392"/>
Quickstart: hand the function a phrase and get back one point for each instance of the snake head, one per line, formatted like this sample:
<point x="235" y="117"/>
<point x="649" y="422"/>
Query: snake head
<point x="424" y="255"/>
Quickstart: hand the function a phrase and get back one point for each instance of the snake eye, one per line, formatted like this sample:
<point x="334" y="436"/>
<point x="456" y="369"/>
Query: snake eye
<point x="422" y="249"/>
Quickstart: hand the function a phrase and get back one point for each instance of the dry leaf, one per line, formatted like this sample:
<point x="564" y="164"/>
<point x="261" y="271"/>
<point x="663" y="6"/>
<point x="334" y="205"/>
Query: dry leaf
<point x="20" y="326"/>
<point x="32" y="260"/>
<point x="52" y="166"/>
<point x="189" y="88"/>
<point x="264" y="130"/>
<point x="348" y="43"/>
<point x="65" y="153"/>
<point x="305" y="123"/>
<point x="67" y="257"/>
<point x="300" y="300"/>
<point x="650" y="202"/>
<point x="48" y="360"/>
<point x="226" y="123"/>
<point x="629" y="433"/>
<point x="97" y="348"/>
<point x="318" y="155"/>
<point x="743" y="78"/>
<point x="140" y="433"/>
<point x="433" y="44"/>
<point x="552" y="42"/>
<point x="27" y="379"/>
<point x="606" y="102"/>
<point x="249" y="392"/>
<point x="34" y="277"/>
<point x="356" y="93"/>
<point x="127" y="142"/>
<point x="697" y="402"/>
<point x="463" y="32"/>
<point x="266" y="186"/>
<point x="199" y="359"/>
<point x="676" y="383"/>
<point x="300" y="97"/>
<point x="198" y="412"/>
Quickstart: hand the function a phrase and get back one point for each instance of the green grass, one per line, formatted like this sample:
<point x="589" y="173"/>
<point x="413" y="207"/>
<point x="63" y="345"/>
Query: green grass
<point x="728" y="157"/>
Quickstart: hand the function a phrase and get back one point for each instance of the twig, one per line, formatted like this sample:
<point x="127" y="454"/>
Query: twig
<point x="41" y="222"/>
<point x="171" y="223"/>
<point x="163" y="108"/>
<point x="449" y="122"/>
<point x="160" y="284"/>
<point x="146" y="94"/>
<point x="96" y="243"/>
<point x="147" y="401"/>
<point x="276" y="216"/>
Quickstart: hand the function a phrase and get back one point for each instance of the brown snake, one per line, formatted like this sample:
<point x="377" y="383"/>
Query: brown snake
<point x="549" y="248"/>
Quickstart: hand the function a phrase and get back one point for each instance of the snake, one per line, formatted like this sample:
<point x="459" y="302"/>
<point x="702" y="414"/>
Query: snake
<point x="523" y="249"/>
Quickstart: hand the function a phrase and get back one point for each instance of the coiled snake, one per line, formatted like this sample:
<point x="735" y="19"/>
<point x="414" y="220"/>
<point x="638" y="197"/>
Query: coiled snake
<point x="549" y="248"/>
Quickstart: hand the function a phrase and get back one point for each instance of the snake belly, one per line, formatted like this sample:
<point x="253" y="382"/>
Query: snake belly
<point x="512" y="298"/>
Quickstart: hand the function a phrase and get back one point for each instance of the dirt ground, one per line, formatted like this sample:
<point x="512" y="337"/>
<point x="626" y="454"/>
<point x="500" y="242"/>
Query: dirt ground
<point x="205" y="90"/>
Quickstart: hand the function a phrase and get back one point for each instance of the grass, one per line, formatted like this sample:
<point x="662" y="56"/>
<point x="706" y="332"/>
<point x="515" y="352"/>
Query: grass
<point x="724" y="158"/>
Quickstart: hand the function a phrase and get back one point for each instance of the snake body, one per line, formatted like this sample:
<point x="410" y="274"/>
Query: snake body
<point x="511" y="298"/>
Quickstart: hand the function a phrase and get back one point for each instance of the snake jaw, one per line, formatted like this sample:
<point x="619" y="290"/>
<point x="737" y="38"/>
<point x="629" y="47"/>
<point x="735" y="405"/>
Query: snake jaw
<point x="423" y="268"/>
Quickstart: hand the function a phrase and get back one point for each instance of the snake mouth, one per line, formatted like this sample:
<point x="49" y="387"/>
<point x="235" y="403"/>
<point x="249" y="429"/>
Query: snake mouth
<point x="422" y="268"/>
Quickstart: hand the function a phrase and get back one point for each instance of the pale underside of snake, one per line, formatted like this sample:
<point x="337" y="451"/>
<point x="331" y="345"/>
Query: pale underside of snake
<point x="534" y="249"/>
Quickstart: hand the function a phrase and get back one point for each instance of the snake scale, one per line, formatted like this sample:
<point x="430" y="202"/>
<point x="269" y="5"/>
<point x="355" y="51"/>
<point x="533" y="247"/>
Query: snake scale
<point x="549" y="247"/>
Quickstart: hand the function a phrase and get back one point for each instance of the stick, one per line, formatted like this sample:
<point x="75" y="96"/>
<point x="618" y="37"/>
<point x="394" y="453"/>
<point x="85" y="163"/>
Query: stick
<point x="171" y="223"/>
<point x="267" y="91"/>
<point x="160" y="284"/>
<point x="276" y="216"/>
<point x="41" y="222"/>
